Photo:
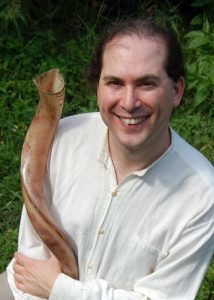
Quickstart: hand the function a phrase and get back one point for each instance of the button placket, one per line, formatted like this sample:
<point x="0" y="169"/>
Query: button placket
<point x="109" y="214"/>
<point x="101" y="231"/>
<point x="114" y="193"/>
<point x="98" y="242"/>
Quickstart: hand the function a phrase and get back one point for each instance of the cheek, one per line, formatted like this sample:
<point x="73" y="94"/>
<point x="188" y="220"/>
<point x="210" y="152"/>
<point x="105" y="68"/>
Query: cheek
<point x="150" y="99"/>
<point x="105" y="100"/>
<point x="160" y="103"/>
<point x="166" y="107"/>
<point x="101" y="104"/>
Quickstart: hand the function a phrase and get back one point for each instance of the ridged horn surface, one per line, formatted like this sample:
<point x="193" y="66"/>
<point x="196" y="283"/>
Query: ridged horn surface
<point x="36" y="147"/>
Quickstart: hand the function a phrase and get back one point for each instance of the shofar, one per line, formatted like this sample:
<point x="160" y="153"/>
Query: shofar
<point x="34" y="156"/>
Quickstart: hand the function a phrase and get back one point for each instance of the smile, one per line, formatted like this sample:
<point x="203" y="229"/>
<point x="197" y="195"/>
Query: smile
<point x="132" y="121"/>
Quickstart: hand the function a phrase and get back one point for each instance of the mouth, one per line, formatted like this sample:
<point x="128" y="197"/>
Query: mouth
<point x="132" y="121"/>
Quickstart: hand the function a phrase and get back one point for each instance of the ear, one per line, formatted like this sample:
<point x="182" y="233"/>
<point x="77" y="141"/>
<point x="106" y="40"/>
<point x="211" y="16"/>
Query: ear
<point x="179" y="87"/>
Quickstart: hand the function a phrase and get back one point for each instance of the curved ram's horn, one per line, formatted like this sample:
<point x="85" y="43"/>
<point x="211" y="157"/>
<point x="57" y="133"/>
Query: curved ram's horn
<point x="35" y="151"/>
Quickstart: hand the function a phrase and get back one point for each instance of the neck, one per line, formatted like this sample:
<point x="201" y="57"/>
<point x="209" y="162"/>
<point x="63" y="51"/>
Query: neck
<point x="127" y="161"/>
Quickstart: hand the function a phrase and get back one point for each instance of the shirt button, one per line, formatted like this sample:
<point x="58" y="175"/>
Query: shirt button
<point x="114" y="193"/>
<point x="89" y="266"/>
<point x="101" y="231"/>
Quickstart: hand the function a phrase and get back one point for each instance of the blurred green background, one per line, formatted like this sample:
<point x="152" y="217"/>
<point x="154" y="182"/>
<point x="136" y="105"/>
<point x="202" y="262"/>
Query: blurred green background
<point x="39" y="35"/>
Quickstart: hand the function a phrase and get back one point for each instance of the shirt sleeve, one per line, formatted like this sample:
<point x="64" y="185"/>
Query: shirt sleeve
<point x="31" y="245"/>
<point x="176" y="277"/>
<point x="179" y="275"/>
<point x="96" y="289"/>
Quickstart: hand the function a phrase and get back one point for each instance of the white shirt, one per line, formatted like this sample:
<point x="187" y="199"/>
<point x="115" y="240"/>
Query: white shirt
<point x="149" y="237"/>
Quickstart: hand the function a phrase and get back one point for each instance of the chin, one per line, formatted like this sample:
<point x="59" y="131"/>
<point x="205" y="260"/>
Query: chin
<point x="132" y="144"/>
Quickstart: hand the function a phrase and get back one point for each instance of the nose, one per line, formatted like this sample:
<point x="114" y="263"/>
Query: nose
<point x="129" y="99"/>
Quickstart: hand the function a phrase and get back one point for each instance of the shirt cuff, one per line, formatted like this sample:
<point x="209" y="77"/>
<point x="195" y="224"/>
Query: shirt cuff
<point x="64" y="287"/>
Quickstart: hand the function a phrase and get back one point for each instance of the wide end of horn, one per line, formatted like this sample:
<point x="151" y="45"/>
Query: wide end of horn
<point x="50" y="82"/>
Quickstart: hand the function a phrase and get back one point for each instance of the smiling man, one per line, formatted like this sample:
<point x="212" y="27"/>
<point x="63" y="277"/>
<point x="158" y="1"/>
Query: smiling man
<point x="136" y="97"/>
<point x="133" y="198"/>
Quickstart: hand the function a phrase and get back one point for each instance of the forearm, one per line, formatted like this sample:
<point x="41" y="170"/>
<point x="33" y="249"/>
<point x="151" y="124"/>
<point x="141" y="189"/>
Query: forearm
<point x="30" y="245"/>
<point x="68" y="288"/>
<point x="18" y="294"/>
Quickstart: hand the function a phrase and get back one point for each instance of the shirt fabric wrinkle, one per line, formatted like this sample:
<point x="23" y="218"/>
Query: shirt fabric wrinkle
<point x="136" y="240"/>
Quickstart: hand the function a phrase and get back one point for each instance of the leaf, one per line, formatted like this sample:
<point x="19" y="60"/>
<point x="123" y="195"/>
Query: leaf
<point x="201" y="3"/>
<point x="206" y="65"/>
<point x="191" y="68"/>
<point x="200" y="96"/>
<point x="206" y="26"/>
<point x="197" y="20"/>
<point x="3" y="3"/>
<point x="196" y="39"/>
<point x="192" y="83"/>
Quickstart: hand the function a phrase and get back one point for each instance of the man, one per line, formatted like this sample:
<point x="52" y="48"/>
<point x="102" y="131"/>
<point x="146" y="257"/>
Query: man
<point x="133" y="198"/>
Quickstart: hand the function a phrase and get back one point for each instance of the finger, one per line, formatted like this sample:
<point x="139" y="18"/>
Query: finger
<point x="23" y="260"/>
<point x="19" y="258"/>
<point x="19" y="284"/>
<point x="18" y="268"/>
<point x="18" y="278"/>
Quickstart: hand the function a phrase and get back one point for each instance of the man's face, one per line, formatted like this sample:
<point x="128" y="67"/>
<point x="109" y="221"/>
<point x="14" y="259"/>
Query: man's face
<point x="135" y="94"/>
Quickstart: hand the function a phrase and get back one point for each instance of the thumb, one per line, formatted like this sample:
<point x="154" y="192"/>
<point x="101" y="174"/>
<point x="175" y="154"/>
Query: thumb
<point x="54" y="261"/>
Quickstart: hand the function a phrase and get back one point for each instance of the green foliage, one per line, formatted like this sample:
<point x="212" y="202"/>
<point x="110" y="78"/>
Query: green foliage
<point x="197" y="129"/>
<point x="19" y="63"/>
<point x="200" y="68"/>
<point x="206" y="291"/>
<point x="8" y="245"/>
<point x="164" y="13"/>
<point x="206" y="9"/>
<point x="12" y="17"/>
<point x="39" y="35"/>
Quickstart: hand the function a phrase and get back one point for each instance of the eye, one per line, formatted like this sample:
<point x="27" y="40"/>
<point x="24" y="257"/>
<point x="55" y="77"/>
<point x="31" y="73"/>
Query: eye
<point x="147" y="84"/>
<point x="114" y="83"/>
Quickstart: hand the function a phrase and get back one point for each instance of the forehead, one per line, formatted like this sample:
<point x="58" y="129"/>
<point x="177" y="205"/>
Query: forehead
<point x="133" y="49"/>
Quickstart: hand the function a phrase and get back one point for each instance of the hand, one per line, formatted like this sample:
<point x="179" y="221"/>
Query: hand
<point x="35" y="277"/>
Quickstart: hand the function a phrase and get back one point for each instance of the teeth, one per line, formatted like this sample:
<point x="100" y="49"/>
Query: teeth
<point x="132" y="121"/>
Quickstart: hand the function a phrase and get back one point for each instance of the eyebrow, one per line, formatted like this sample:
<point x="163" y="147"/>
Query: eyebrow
<point x="111" y="78"/>
<point x="147" y="77"/>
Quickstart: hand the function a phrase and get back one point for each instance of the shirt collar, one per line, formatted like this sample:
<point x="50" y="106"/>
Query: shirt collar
<point x="105" y="159"/>
<point x="160" y="158"/>
<point x="104" y="155"/>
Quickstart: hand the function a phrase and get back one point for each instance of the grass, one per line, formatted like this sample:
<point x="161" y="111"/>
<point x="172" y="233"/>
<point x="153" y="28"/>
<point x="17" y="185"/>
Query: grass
<point x="19" y="62"/>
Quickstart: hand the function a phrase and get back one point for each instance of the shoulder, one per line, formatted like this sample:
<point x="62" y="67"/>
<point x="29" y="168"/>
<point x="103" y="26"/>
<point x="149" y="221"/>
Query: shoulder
<point x="188" y="177"/>
<point x="78" y="134"/>
<point x="78" y="139"/>
<point x="80" y="127"/>
<point x="80" y="122"/>
<point x="193" y="160"/>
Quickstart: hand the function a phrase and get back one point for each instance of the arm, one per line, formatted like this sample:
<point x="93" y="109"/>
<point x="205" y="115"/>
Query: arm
<point x="31" y="245"/>
<point x="35" y="277"/>
<point x="178" y="276"/>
